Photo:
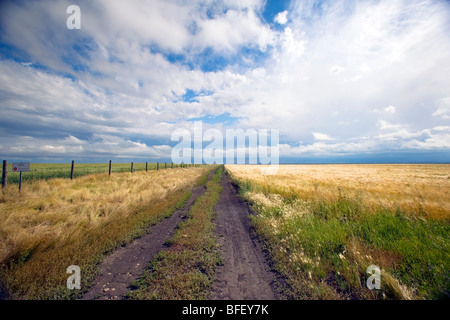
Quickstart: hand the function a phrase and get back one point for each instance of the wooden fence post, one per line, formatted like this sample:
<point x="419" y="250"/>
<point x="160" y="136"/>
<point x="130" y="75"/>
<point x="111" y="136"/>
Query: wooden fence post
<point x="71" y="170"/>
<point x="146" y="166"/>
<point x="5" y="174"/>
<point x="157" y="166"/>
<point x="131" y="167"/>
<point x="20" y="181"/>
<point x="109" y="171"/>
<point x="172" y="165"/>
<point x="165" y="165"/>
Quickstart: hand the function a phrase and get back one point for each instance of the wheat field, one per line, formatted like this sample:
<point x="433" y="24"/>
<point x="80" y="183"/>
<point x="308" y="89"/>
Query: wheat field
<point x="416" y="189"/>
<point x="325" y="224"/>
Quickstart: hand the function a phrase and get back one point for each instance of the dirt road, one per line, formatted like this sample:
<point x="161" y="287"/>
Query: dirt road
<point x="127" y="263"/>
<point x="246" y="274"/>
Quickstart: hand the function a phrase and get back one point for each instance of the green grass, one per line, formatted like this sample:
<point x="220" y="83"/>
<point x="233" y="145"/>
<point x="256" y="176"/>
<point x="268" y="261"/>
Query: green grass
<point x="62" y="170"/>
<point x="422" y="246"/>
<point x="325" y="249"/>
<point x="185" y="270"/>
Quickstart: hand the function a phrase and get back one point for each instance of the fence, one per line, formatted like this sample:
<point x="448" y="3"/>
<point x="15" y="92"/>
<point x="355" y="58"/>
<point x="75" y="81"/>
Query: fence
<point x="73" y="170"/>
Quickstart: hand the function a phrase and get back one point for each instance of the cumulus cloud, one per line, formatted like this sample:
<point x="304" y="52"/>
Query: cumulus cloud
<point x="390" y="109"/>
<point x="321" y="136"/>
<point x="281" y="17"/>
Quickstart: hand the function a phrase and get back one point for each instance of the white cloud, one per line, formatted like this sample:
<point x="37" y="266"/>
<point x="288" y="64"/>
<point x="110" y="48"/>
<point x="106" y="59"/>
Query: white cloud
<point x="338" y="60"/>
<point x="293" y="47"/>
<point x="384" y="125"/>
<point x="443" y="110"/>
<point x="322" y="136"/>
<point x="281" y="17"/>
<point x="390" y="109"/>
<point x="231" y="30"/>
<point x="438" y="141"/>
<point x="393" y="132"/>
<point x="442" y="128"/>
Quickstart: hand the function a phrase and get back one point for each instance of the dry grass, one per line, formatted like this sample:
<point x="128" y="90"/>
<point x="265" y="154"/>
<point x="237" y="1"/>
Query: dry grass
<point x="325" y="224"/>
<point x="53" y="224"/>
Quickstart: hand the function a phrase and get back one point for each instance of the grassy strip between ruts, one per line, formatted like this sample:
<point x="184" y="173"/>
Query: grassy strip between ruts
<point x="185" y="270"/>
<point x="324" y="248"/>
<point x="38" y="270"/>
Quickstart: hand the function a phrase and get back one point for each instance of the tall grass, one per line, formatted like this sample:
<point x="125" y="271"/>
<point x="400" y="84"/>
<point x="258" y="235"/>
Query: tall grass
<point x="55" y="223"/>
<point x="324" y="228"/>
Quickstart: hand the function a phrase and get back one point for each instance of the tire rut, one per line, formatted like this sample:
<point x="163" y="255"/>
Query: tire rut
<point x="246" y="272"/>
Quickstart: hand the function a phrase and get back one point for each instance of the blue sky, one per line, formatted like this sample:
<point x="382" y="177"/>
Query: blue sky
<point x="342" y="80"/>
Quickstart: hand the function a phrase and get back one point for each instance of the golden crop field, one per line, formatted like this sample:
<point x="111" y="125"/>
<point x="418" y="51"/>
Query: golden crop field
<point x="54" y="223"/>
<point x="325" y="224"/>
<point x="423" y="189"/>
